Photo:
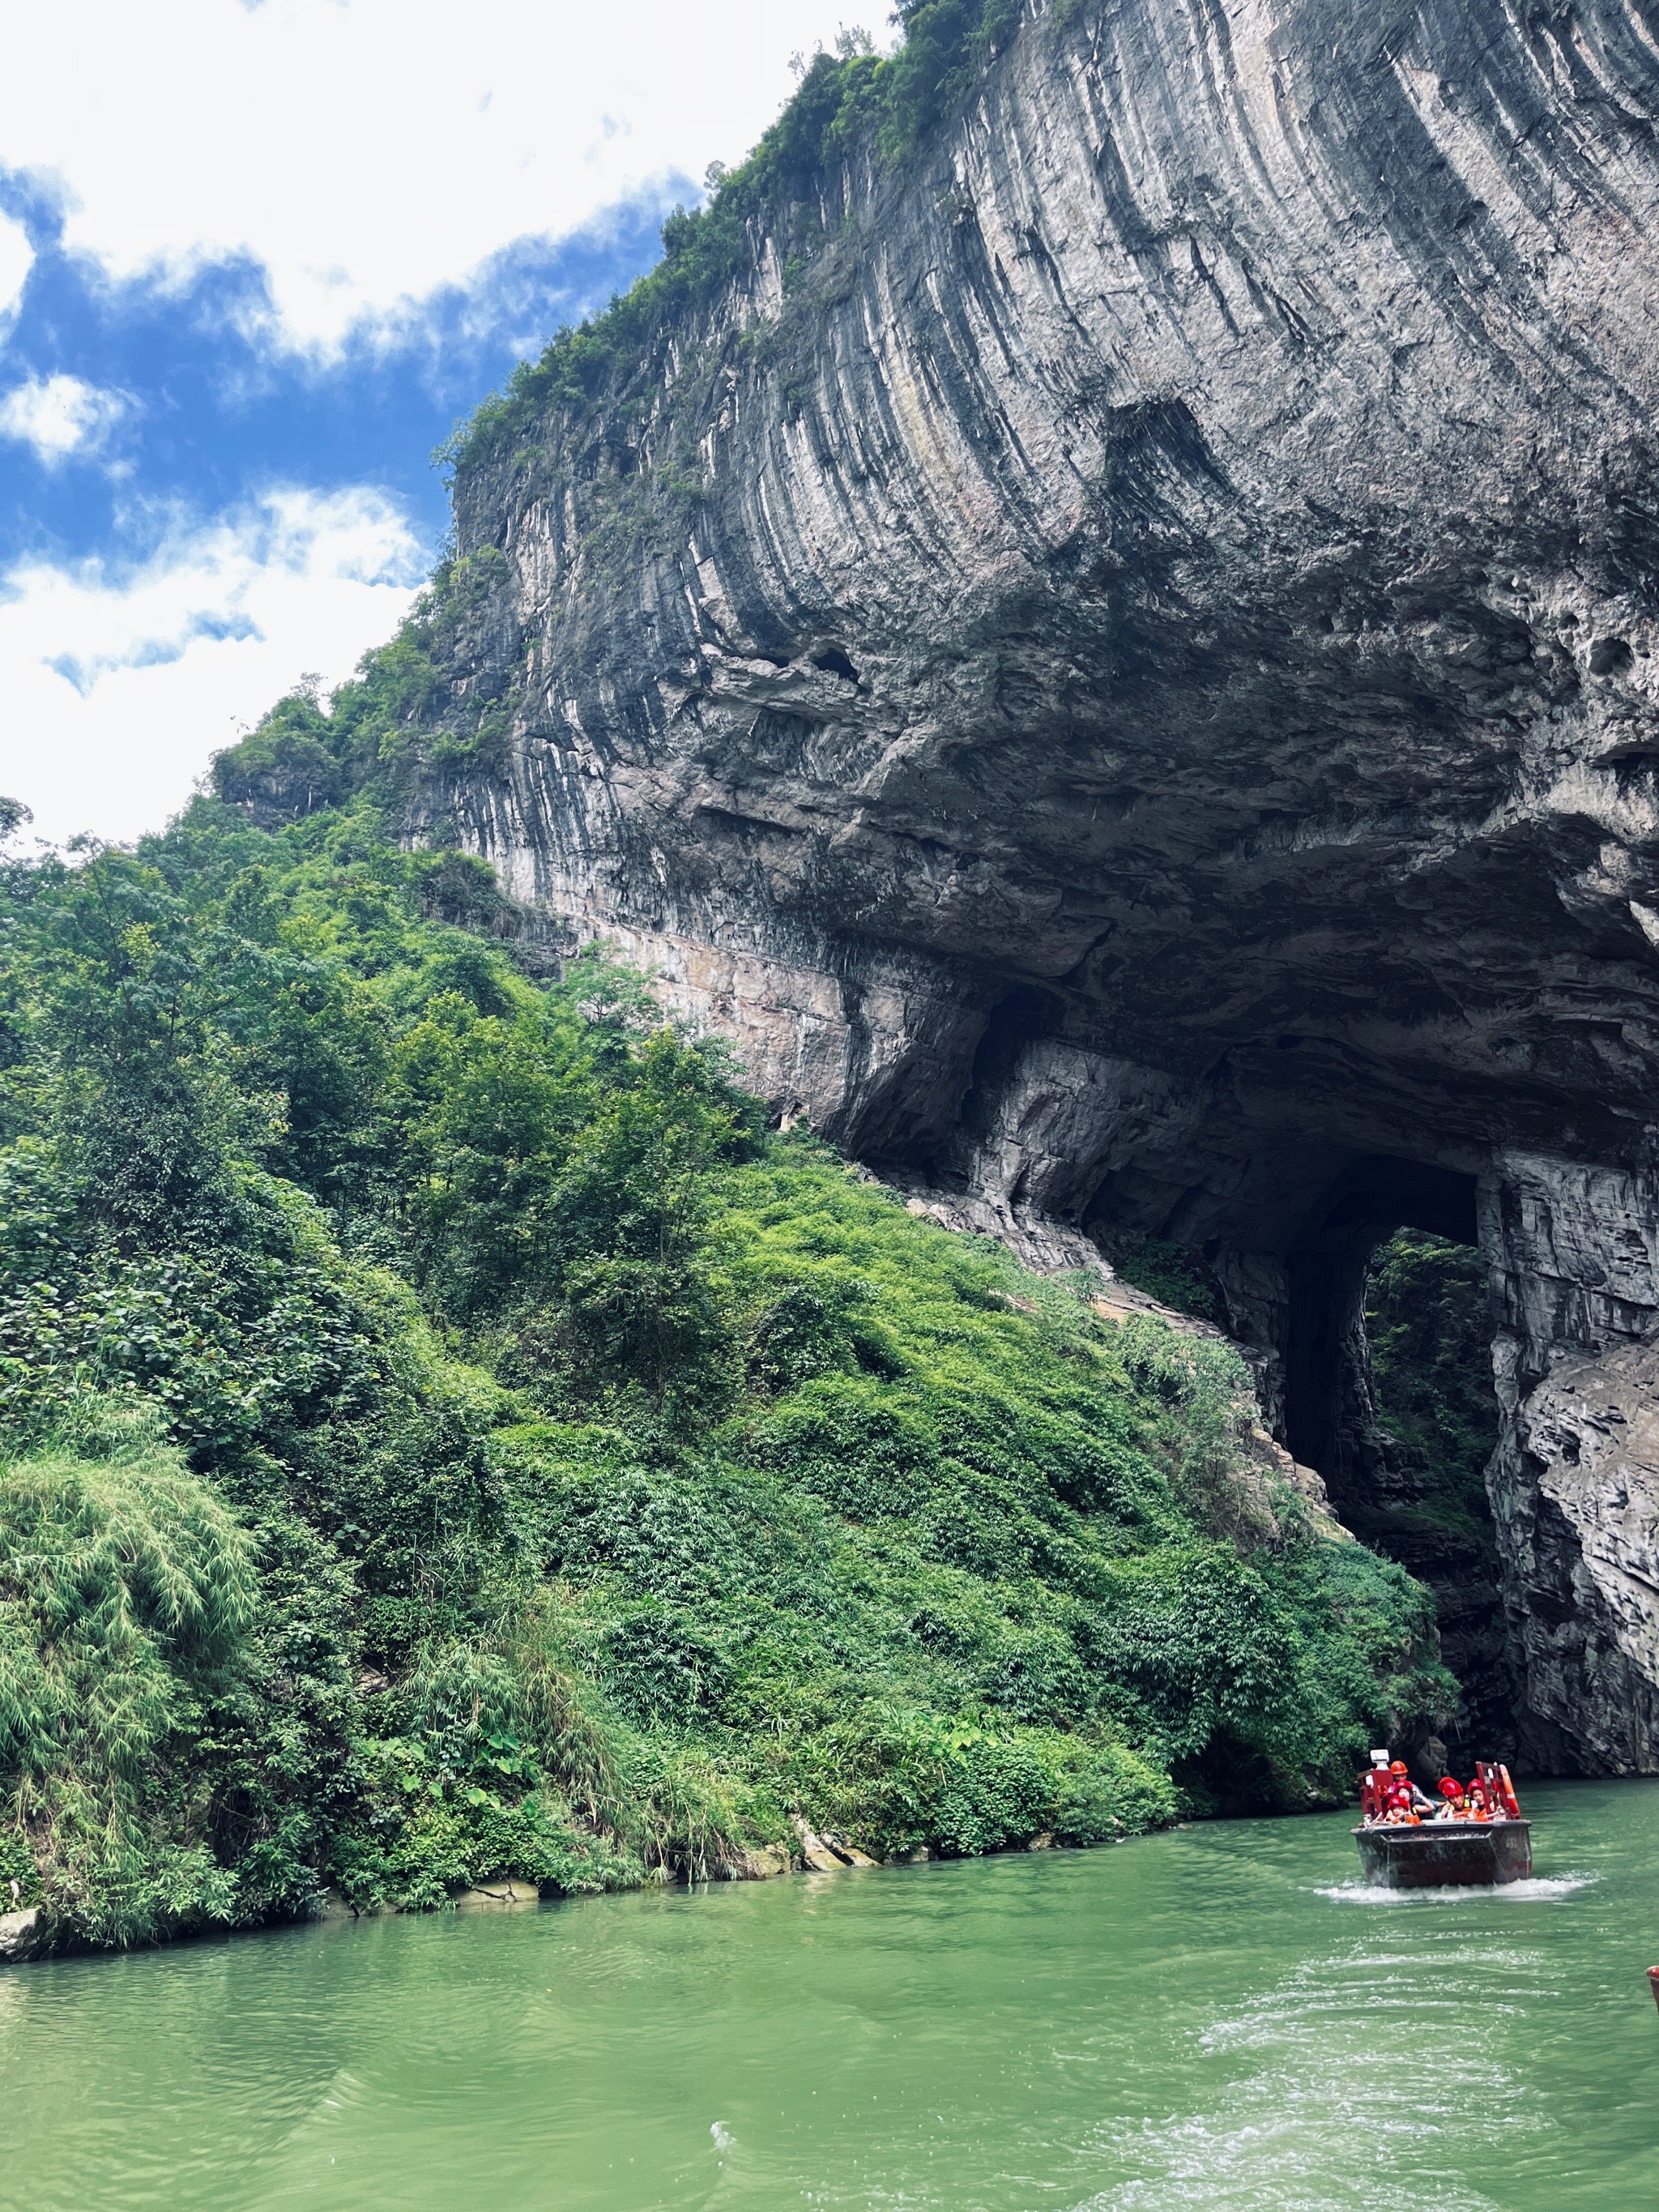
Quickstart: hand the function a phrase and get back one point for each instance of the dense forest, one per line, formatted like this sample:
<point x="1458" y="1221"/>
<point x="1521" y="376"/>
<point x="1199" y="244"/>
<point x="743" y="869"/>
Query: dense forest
<point x="448" y="1434"/>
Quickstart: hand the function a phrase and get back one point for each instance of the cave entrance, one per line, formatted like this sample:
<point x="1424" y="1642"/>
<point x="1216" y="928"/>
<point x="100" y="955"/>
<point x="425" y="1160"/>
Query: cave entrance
<point x="1390" y="1394"/>
<point x="1326" y="1427"/>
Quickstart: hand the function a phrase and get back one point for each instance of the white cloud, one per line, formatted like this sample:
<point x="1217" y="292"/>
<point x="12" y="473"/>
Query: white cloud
<point x="367" y="151"/>
<point x="16" y="259"/>
<point x="118" y="687"/>
<point x="59" y="416"/>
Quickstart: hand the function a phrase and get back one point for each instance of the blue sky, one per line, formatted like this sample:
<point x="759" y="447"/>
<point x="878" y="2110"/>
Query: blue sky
<point x="256" y="260"/>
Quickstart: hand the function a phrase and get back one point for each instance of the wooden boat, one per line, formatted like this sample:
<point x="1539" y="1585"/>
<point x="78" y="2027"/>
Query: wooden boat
<point x="1446" y="1854"/>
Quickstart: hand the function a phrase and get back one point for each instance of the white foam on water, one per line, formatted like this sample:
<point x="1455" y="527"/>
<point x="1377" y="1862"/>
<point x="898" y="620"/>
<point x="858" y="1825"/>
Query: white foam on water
<point x="1322" y="2100"/>
<point x="1538" y="1889"/>
<point x="724" y="2139"/>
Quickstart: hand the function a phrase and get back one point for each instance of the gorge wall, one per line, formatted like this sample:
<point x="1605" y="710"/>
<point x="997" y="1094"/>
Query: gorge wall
<point x="1118" y="660"/>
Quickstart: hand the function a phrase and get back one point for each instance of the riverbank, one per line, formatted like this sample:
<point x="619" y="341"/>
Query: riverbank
<point x="27" y="1938"/>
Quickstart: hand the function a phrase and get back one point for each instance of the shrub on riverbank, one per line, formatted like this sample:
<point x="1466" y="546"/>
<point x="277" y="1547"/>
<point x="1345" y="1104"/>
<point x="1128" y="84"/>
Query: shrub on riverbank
<point x="449" y="1436"/>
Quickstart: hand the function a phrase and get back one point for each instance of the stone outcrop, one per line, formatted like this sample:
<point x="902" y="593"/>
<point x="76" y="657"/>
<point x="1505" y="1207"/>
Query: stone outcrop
<point x="501" y="1893"/>
<point x="1120" y="665"/>
<point x="1575" y="1483"/>
<point x="24" y="1934"/>
<point x="827" y="1854"/>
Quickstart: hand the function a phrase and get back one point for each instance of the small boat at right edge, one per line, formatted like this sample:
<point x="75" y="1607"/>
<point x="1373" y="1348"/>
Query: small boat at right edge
<point x="1475" y="1838"/>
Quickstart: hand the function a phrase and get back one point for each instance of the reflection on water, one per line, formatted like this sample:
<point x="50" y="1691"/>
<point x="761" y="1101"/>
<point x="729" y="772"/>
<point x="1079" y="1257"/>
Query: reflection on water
<point x="1222" y="2017"/>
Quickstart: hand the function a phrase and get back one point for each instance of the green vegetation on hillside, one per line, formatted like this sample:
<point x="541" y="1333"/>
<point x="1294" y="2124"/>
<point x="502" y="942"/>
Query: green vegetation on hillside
<point x="1175" y="1276"/>
<point x="445" y="1434"/>
<point x="1429" y="1321"/>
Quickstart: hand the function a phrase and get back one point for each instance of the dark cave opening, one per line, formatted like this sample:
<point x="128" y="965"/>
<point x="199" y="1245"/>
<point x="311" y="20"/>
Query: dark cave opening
<point x="1428" y="1329"/>
<point x="1326" y="1411"/>
<point x="1390" y="1394"/>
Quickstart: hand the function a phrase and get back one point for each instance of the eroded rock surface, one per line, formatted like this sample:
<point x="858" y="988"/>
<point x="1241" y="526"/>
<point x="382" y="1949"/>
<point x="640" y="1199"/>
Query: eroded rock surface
<point x="1147" y="718"/>
<point x="24" y="1934"/>
<point x="1575" y="1484"/>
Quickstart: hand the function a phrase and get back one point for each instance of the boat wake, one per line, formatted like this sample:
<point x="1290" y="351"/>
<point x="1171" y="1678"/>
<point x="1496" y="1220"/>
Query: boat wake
<point x="1317" y="2095"/>
<point x="1535" y="1890"/>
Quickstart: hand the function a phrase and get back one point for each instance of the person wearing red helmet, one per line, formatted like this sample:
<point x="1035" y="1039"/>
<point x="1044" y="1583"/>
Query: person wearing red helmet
<point x="1404" y="1792"/>
<point x="1386" y="1792"/>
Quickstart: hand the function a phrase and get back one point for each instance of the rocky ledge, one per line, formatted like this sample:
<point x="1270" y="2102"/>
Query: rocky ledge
<point x="1118" y="661"/>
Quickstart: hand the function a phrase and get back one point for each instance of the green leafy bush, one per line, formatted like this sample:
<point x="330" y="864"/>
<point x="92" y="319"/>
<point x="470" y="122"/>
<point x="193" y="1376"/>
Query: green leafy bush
<point x="1175" y="1276"/>
<point x="127" y="1592"/>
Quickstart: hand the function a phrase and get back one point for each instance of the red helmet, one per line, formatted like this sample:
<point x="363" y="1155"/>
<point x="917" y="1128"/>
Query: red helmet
<point x="1399" y="1766"/>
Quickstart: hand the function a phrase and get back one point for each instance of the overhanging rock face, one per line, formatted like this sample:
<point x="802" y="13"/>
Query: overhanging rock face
<point x="1147" y="713"/>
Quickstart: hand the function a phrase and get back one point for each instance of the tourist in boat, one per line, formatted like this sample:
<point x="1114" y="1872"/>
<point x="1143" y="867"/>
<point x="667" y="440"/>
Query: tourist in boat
<point x="1464" y="1801"/>
<point x="1402" y="1798"/>
<point x="1473" y="1801"/>
<point x="1404" y="1793"/>
<point x="1388" y="1794"/>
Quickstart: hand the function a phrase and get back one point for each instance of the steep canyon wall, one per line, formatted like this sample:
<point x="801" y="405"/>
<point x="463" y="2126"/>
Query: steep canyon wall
<point x="1120" y="662"/>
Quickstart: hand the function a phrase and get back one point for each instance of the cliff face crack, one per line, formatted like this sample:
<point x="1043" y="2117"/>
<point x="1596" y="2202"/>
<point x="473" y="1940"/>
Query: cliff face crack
<point x="1191" y="564"/>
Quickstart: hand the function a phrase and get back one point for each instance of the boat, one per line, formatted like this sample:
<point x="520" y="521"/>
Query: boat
<point x="1446" y="1854"/>
<point x="1451" y="1852"/>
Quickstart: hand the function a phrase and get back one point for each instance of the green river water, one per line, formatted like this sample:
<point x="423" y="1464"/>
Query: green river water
<point x="1220" y="2016"/>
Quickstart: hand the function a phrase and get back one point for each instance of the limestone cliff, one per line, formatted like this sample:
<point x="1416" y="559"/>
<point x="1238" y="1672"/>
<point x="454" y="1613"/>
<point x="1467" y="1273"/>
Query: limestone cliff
<point x="1119" y="660"/>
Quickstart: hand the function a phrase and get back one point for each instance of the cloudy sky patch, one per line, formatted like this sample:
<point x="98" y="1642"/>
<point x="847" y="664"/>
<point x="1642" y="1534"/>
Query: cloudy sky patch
<point x="122" y="680"/>
<point x="291" y="245"/>
<point x="59" y="416"/>
<point x="16" y="255"/>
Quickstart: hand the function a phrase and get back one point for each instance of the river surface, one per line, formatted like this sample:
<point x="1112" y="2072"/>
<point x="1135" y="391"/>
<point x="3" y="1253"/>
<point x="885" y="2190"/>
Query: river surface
<point x="1221" y="2016"/>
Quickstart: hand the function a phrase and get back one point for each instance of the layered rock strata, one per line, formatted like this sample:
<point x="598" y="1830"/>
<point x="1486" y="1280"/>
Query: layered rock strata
<point x="1123" y="671"/>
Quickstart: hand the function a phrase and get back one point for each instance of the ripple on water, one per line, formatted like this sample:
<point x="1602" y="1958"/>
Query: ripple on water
<point x="1180" y="2024"/>
<point x="1325" y="2101"/>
